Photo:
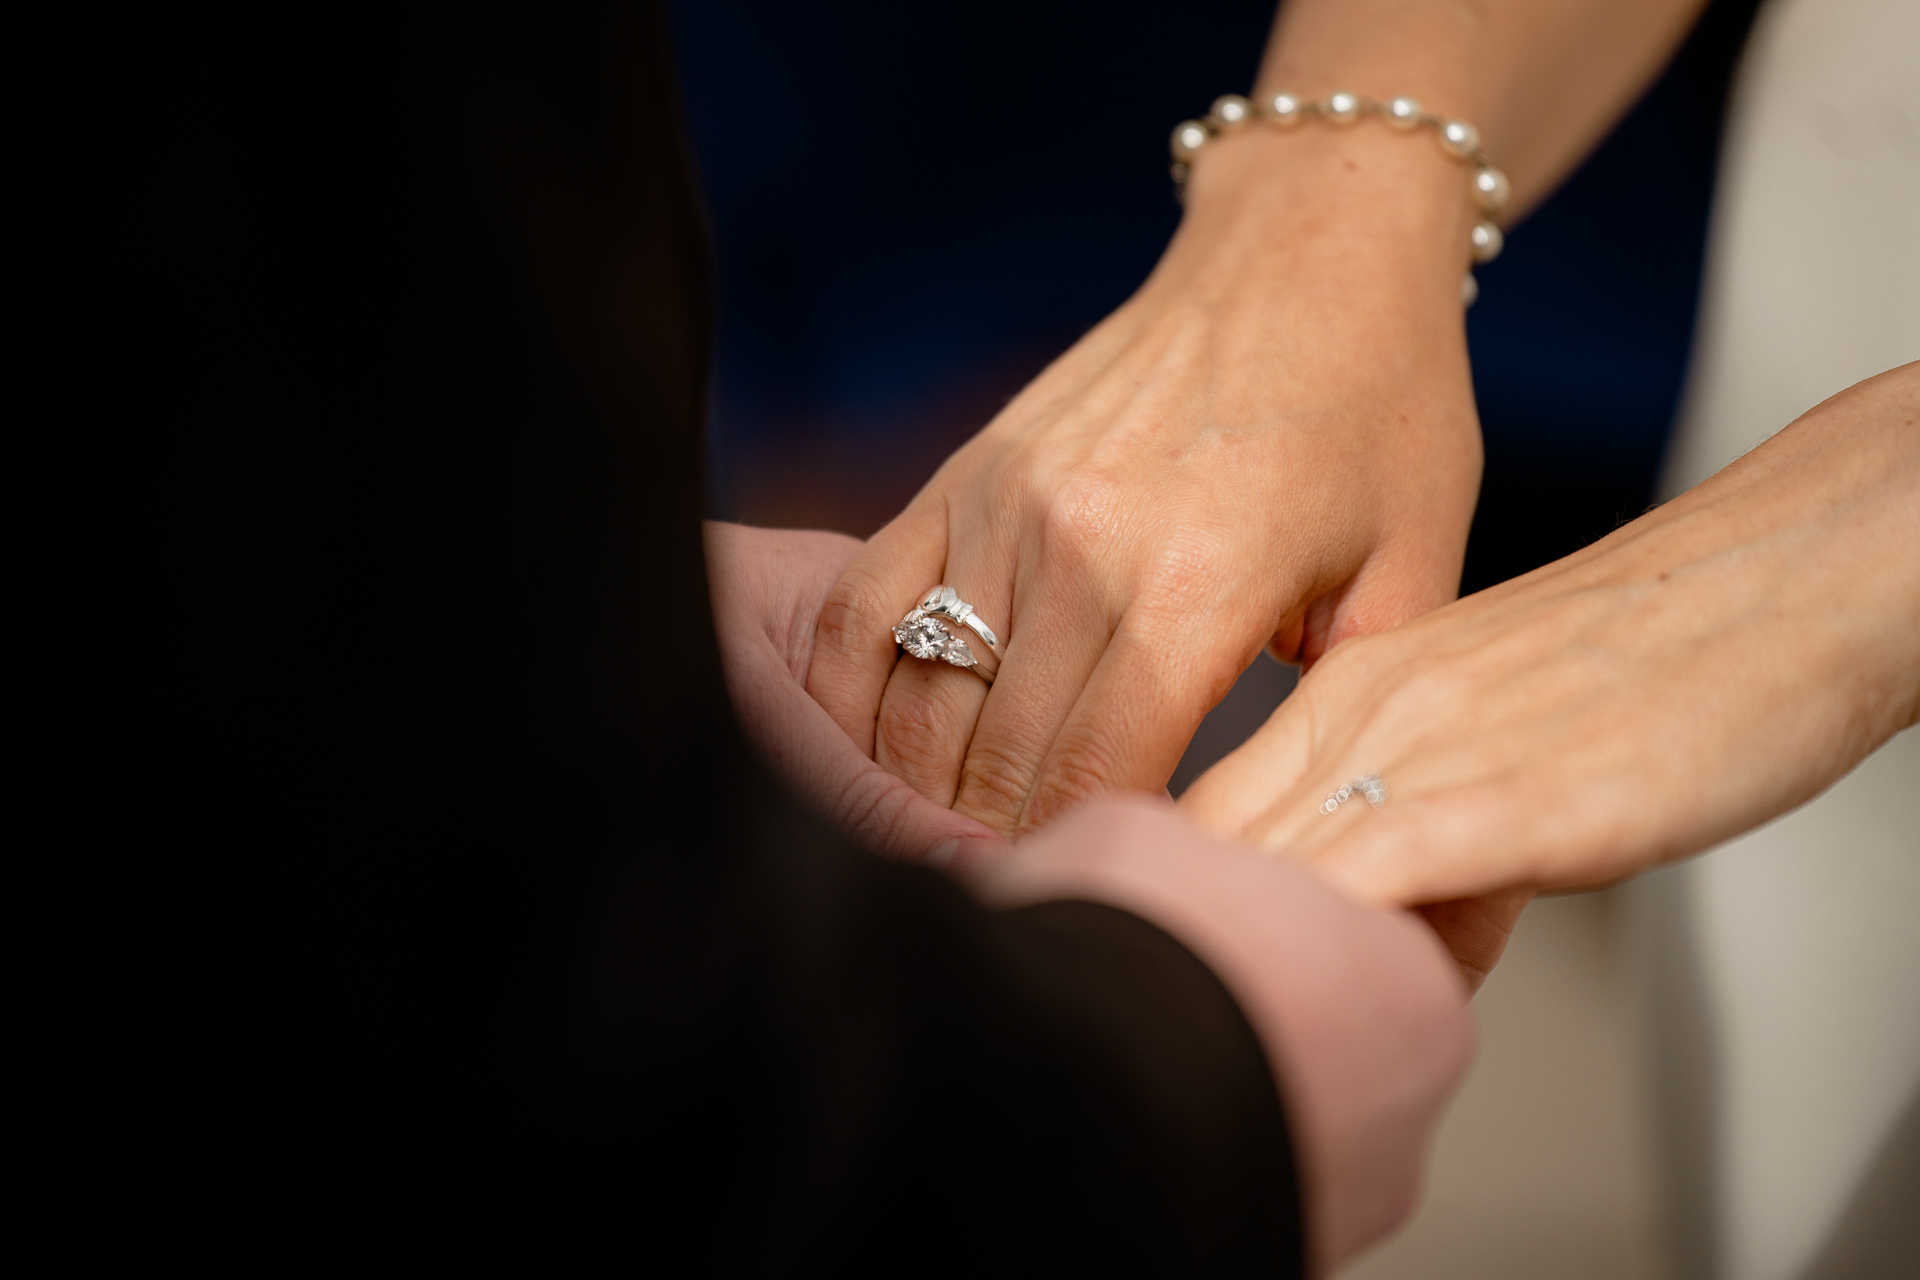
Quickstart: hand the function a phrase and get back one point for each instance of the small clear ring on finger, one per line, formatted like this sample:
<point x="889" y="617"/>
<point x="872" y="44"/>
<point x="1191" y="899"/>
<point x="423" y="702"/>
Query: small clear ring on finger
<point x="1369" y="785"/>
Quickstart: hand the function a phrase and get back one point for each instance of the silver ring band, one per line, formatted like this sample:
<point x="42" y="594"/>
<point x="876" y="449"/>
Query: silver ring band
<point x="930" y="632"/>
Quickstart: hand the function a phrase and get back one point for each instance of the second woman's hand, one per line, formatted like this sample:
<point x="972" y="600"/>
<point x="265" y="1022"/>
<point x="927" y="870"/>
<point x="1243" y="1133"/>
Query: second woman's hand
<point x="1706" y="667"/>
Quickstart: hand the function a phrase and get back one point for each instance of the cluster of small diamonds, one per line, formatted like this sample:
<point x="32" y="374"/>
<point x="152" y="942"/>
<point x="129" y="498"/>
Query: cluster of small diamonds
<point x="1370" y="786"/>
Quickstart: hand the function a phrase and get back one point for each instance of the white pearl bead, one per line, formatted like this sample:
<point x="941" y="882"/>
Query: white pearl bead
<point x="1403" y="113"/>
<point x="1188" y="137"/>
<point x="1469" y="290"/>
<point x="1487" y="242"/>
<point x="1459" y="138"/>
<point x="1230" y="111"/>
<point x="1491" y="188"/>
<point x="1343" y="107"/>
<point x="1284" y="108"/>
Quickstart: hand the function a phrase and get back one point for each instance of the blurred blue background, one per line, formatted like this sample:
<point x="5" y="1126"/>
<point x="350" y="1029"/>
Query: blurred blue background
<point x="915" y="209"/>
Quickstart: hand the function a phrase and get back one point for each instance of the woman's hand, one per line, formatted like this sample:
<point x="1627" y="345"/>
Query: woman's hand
<point x="767" y="587"/>
<point x="1273" y="442"/>
<point x="1707" y="667"/>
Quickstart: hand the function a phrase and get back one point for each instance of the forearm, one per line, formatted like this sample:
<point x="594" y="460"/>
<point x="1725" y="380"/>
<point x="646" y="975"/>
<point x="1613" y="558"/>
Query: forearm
<point x="1543" y="80"/>
<point x="1801" y="554"/>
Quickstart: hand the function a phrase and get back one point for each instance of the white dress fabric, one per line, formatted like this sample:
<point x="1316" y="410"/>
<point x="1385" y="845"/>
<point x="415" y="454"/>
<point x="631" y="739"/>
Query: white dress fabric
<point x="1782" y="970"/>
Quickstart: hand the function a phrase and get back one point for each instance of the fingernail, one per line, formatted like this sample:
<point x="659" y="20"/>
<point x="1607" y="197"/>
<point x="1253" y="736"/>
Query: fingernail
<point x="942" y="854"/>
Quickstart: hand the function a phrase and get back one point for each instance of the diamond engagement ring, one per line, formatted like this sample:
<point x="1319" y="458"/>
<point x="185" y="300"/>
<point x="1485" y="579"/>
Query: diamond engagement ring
<point x="1370" y="786"/>
<point x="930" y="632"/>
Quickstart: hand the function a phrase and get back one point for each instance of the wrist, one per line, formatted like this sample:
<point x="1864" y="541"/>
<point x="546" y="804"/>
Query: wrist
<point x="1436" y="53"/>
<point x="1351" y="215"/>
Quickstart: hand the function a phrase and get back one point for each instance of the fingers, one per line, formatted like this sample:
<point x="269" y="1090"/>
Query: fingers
<point x="1335" y="699"/>
<point x="1152" y="687"/>
<point x="1405" y="578"/>
<point x="1235" y="793"/>
<point x="815" y="758"/>
<point x="929" y="708"/>
<point x="1236" y="799"/>
<point x="767" y="588"/>
<point x="1055" y="646"/>
<point x="773" y="582"/>
<point x="1373" y="857"/>
<point x="854" y="650"/>
<point x="1492" y="834"/>
<point x="926" y="716"/>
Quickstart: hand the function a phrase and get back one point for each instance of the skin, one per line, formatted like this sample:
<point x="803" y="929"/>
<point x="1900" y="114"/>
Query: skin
<point x="1359" y="1012"/>
<point x="768" y="586"/>
<point x="1711" y="665"/>
<point x="1272" y="444"/>
<point x="1357" y="1008"/>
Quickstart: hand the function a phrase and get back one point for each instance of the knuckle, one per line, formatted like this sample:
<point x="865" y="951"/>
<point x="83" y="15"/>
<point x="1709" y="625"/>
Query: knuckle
<point x="994" y="786"/>
<point x="862" y="809"/>
<point x="1188" y="567"/>
<point x="878" y="814"/>
<point x="1431" y="692"/>
<point x="1082" y="512"/>
<point x="917" y="734"/>
<point x="1079" y="770"/>
<point x="855" y="618"/>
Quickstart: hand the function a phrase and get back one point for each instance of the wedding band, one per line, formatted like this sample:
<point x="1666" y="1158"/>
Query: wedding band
<point x="1369" y="786"/>
<point x="928" y="632"/>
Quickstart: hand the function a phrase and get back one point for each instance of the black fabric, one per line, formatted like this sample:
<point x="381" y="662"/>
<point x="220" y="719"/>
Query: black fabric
<point x="640" y="1005"/>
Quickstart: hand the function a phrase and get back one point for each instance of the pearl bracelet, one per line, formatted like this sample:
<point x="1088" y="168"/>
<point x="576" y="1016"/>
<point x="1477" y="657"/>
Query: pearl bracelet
<point x="1457" y="138"/>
